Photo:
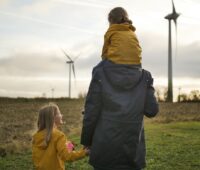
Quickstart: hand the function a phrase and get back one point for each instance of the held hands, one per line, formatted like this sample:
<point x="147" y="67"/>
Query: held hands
<point x="71" y="147"/>
<point x="87" y="150"/>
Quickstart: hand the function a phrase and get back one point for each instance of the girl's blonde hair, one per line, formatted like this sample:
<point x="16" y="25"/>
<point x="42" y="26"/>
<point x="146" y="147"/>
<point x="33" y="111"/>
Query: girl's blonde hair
<point x="118" y="15"/>
<point x="46" y="120"/>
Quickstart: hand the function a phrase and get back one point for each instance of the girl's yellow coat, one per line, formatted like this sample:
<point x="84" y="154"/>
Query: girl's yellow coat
<point x="53" y="156"/>
<point x="121" y="45"/>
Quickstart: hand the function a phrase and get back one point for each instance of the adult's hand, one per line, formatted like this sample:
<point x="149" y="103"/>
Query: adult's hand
<point x="87" y="149"/>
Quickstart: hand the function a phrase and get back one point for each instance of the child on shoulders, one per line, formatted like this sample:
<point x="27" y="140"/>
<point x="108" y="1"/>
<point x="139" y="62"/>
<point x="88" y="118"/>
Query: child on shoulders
<point x="121" y="45"/>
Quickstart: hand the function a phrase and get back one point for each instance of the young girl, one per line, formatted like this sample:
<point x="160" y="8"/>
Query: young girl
<point x="121" y="45"/>
<point x="49" y="149"/>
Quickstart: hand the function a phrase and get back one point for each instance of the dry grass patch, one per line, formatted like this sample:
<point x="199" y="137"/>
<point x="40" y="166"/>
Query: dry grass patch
<point x="176" y="112"/>
<point x="19" y="117"/>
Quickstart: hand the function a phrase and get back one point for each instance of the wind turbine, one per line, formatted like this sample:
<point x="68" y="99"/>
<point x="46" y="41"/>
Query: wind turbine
<point x="52" y="92"/>
<point x="71" y="66"/>
<point x="173" y="16"/>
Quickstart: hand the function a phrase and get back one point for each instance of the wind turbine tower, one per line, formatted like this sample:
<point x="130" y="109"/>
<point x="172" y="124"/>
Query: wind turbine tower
<point x="172" y="16"/>
<point x="52" y="92"/>
<point x="71" y="66"/>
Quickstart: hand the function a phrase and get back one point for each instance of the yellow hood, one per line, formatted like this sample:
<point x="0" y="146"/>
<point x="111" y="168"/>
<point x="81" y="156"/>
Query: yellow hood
<point x="121" y="27"/>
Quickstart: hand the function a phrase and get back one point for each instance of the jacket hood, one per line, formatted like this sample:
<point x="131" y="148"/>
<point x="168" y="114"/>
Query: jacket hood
<point x="123" y="76"/>
<point x="121" y="27"/>
<point x="39" y="139"/>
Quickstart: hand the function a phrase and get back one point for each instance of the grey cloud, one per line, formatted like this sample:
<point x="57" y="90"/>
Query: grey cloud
<point x="155" y="57"/>
<point x="46" y="65"/>
<point x="90" y="54"/>
<point x="188" y="60"/>
<point x="34" y="64"/>
<point x="34" y="87"/>
<point x="91" y="61"/>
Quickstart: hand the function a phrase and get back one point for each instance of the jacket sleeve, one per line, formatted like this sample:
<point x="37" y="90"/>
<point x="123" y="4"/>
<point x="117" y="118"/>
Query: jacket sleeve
<point x="105" y="46"/>
<point x="92" y="110"/>
<point x="66" y="155"/>
<point x="151" y="107"/>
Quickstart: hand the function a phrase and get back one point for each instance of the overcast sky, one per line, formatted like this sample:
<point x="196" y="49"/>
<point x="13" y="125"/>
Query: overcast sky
<point x="32" y="33"/>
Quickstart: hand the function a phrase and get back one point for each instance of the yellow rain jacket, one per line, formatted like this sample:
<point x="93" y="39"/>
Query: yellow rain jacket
<point x="52" y="157"/>
<point x="121" y="45"/>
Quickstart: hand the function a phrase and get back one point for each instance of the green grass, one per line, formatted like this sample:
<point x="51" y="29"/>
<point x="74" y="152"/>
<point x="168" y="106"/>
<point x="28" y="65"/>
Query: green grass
<point x="172" y="146"/>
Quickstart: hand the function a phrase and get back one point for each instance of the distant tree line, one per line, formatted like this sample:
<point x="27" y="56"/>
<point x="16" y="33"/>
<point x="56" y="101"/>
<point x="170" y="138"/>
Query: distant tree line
<point x="193" y="96"/>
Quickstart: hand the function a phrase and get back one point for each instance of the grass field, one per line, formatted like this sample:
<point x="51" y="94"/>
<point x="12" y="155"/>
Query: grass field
<point x="172" y="138"/>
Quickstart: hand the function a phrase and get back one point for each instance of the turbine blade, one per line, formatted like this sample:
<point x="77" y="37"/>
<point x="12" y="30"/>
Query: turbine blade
<point x="77" y="57"/>
<point x="176" y="48"/>
<point x="175" y="22"/>
<point x="66" y="55"/>
<point x="173" y="7"/>
<point x="73" y="69"/>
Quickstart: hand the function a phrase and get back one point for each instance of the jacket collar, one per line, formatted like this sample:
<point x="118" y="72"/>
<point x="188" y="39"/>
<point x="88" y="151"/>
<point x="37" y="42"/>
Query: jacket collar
<point x="121" y="27"/>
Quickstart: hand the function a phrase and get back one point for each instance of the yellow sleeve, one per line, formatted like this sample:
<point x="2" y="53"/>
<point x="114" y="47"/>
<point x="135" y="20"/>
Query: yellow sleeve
<point x="105" y="46"/>
<point x="35" y="157"/>
<point x="64" y="154"/>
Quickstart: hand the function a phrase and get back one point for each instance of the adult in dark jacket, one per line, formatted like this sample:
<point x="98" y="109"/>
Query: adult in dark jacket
<point x="118" y="98"/>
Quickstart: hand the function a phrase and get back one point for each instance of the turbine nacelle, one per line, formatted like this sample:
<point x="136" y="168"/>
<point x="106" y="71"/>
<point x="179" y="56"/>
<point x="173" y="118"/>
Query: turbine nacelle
<point x="174" y="15"/>
<point x="69" y="62"/>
